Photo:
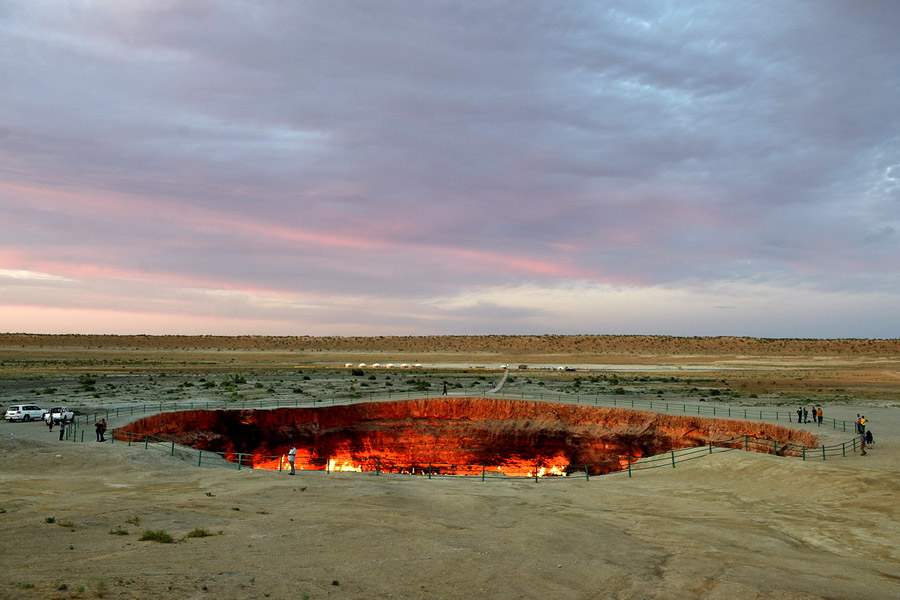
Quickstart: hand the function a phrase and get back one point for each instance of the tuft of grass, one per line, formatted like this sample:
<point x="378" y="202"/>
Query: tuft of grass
<point x="262" y="511"/>
<point x="210" y="494"/>
<point x="119" y="530"/>
<point x="62" y="586"/>
<point x="133" y="521"/>
<point x="66" y="524"/>
<point x="198" y="532"/>
<point x="2" y="511"/>
<point x="50" y="520"/>
<point x="158" y="535"/>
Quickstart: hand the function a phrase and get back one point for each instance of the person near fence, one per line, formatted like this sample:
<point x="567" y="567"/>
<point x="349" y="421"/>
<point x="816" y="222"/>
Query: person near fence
<point x="62" y="429"/>
<point x="819" y="415"/>
<point x="292" y="456"/>
<point x="861" y="430"/>
<point x="98" y="429"/>
<point x="49" y="419"/>
<point x="102" y="430"/>
<point x="800" y="414"/>
<point x="870" y="441"/>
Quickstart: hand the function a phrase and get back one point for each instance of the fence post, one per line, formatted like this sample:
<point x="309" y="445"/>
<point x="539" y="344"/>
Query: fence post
<point x="378" y="465"/>
<point x="629" y="467"/>
<point x="482" y="472"/>
<point x="804" y="453"/>
<point x="146" y="440"/>
<point x="710" y="447"/>
<point x="172" y="453"/>
<point x="240" y="460"/>
<point x="199" y="458"/>
<point x="429" y="470"/>
<point x="823" y="452"/>
<point x="843" y="448"/>
<point x="587" y="473"/>
<point x="746" y="443"/>
<point x="673" y="459"/>
<point x="775" y="447"/>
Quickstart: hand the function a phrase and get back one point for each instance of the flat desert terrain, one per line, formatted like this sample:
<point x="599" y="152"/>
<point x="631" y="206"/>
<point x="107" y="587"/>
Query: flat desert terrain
<point x="727" y="525"/>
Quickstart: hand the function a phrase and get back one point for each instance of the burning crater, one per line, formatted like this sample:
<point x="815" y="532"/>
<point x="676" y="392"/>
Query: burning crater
<point x="450" y="436"/>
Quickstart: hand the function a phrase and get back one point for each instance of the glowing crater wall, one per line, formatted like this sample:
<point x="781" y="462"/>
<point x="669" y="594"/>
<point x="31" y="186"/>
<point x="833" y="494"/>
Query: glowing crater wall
<point x="512" y="436"/>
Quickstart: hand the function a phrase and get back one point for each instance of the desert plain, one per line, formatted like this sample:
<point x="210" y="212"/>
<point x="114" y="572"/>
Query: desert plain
<point x="727" y="525"/>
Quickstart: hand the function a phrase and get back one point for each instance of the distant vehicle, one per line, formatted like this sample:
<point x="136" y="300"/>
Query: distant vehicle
<point x="24" y="412"/>
<point x="59" y="414"/>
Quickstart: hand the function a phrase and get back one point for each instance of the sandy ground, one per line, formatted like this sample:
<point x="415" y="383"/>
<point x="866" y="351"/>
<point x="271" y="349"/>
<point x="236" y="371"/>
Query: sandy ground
<point x="727" y="526"/>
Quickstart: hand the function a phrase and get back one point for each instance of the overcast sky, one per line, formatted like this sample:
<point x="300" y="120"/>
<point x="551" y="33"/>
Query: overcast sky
<point x="418" y="168"/>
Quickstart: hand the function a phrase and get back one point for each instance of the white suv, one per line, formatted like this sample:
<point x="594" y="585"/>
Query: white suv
<point x="24" y="412"/>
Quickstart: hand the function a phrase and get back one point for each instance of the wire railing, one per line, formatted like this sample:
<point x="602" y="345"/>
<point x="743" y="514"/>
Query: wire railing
<point x="380" y="466"/>
<point x="607" y="400"/>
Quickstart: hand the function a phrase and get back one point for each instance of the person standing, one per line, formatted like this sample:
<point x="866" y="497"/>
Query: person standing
<point x="870" y="440"/>
<point x="98" y="428"/>
<point x="819" y="415"/>
<point x="62" y="429"/>
<point x="445" y="389"/>
<point x="861" y="430"/>
<point x="800" y="414"/>
<point x="292" y="456"/>
<point x="102" y="430"/>
<point x="805" y="415"/>
<point x="49" y="419"/>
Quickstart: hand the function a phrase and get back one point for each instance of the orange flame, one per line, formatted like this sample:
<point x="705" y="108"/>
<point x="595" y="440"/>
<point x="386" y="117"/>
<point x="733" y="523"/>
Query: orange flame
<point x="344" y="466"/>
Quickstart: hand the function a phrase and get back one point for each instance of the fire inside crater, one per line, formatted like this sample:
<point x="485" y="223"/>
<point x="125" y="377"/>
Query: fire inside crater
<point x="459" y="436"/>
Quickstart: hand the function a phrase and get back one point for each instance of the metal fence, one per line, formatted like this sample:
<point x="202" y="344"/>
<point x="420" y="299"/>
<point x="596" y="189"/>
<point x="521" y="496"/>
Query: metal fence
<point x="607" y="400"/>
<point x="378" y="466"/>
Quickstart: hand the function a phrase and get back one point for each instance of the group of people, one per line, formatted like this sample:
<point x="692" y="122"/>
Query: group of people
<point x="100" y="428"/>
<point x="866" y="440"/>
<point x="804" y="414"/>
<point x="62" y="426"/>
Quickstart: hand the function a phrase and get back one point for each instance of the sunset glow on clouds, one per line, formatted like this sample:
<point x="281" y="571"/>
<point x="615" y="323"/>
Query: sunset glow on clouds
<point x="415" y="168"/>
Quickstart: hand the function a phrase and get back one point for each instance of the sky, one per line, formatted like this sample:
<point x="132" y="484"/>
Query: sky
<point x="259" y="167"/>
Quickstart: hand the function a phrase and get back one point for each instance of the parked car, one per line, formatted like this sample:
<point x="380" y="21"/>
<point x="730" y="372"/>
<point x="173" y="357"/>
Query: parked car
<point x="59" y="414"/>
<point x="24" y="412"/>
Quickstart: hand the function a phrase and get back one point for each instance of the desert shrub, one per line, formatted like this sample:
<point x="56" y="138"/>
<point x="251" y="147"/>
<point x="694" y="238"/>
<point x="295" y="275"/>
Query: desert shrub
<point x="50" y="520"/>
<point x="133" y="521"/>
<point x="158" y="535"/>
<point x="198" y="532"/>
<point x="119" y="530"/>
